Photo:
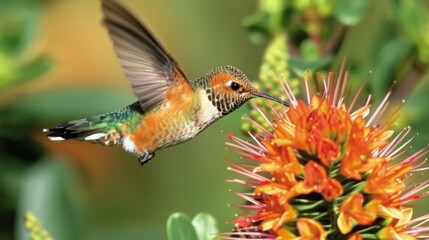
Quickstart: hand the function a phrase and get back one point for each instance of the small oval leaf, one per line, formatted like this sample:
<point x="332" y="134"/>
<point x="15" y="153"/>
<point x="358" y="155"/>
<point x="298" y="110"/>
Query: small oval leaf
<point x="205" y="225"/>
<point x="179" y="227"/>
<point x="350" y="12"/>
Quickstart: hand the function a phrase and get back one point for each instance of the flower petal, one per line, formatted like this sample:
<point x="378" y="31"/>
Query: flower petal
<point x="310" y="229"/>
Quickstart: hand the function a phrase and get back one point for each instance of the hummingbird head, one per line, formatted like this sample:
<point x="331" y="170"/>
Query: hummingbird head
<point x="228" y="88"/>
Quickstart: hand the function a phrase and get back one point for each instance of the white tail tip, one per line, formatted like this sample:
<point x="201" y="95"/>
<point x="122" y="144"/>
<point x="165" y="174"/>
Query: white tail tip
<point x="56" y="138"/>
<point x="95" y="136"/>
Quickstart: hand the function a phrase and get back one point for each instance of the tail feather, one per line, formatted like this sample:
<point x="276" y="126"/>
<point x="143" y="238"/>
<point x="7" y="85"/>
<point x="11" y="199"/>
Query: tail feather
<point x="84" y="130"/>
<point x="104" y="129"/>
<point x="78" y="129"/>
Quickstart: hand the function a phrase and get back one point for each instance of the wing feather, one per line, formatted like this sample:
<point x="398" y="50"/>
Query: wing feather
<point x="150" y="70"/>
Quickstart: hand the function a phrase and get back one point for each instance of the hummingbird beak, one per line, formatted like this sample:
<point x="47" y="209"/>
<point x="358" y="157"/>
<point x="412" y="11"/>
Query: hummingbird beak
<point x="266" y="96"/>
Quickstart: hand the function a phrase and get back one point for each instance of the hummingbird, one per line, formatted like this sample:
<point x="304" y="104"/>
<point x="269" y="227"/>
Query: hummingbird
<point x="171" y="109"/>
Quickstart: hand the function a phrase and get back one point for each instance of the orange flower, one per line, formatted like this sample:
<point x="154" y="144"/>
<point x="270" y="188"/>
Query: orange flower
<point x="275" y="218"/>
<point x="390" y="233"/>
<point x="357" y="158"/>
<point x="315" y="177"/>
<point x="385" y="180"/>
<point x="326" y="172"/>
<point x="355" y="236"/>
<point x="310" y="229"/>
<point x="352" y="211"/>
<point x="317" y="131"/>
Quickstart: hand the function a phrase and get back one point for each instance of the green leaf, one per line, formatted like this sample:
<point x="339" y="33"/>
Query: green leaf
<point x="50" y="191"/>
<point x="266" y="21"/>
<point x="179" y="227"/>
<point x="414" y="19"/>
<point x="309" y="50"/>
<point x="205" y="225"/>
<point x="274" y="10"/>
<point x="33" y="69"/>
<point x="13" y="74"/>
<point x="299" y="66"/>
<point x="30" y="21"/>
<point x="18" y="26"/>
<point x="415" y="112"/>
<point x="257" y="27"/>
<point x="350" y="12"/>
<point x="387" y="62"/>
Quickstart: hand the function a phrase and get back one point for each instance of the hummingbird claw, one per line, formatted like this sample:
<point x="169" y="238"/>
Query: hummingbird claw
<point x="145" y="157"/>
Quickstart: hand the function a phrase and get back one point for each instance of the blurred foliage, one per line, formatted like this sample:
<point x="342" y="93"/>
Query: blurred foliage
<point x="26" y="180"/>
<point x="18" y="150"/>
<point x="388" y="37"/>
<point x="34" y="228"/>
<point x="179" y="227"/>
<point x="18" y="26"/>
<point x="274" y="65"/>
<point x="51" y="189"/>
<point x="202" y="227"/>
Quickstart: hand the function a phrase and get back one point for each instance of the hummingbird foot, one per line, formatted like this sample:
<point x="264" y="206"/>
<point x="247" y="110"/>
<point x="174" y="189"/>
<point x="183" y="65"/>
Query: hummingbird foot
<point x="145" y="157"/>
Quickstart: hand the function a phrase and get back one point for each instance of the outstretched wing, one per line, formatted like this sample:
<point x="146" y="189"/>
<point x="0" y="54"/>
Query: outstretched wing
<point x="148" y="67"/>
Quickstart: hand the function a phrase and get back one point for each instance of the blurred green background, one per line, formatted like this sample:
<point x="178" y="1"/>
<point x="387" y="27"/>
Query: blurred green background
<point x="57" y="64"/>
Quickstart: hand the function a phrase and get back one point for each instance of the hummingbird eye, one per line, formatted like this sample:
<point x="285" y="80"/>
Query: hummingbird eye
<point x="234" y="86"/>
